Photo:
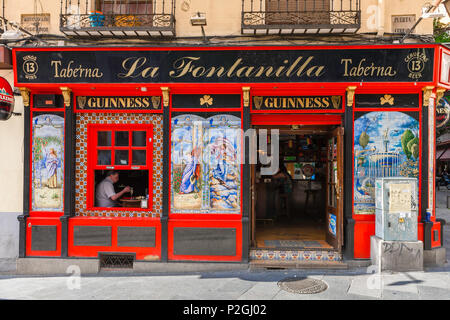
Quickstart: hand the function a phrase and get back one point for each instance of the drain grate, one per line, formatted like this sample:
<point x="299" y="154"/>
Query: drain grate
<point x="302" y="285"/>
<point x="116" y="261"/>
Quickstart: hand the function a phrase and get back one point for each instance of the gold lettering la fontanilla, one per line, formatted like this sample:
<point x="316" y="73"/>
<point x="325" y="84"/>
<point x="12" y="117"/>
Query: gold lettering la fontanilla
<point x="137" y="67"/>
<point x="191" y="66"/>
<point x="118" y="102"/>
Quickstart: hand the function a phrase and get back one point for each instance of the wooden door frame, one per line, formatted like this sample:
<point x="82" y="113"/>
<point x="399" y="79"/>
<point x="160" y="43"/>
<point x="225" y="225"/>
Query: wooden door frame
<point x="252" y="206"/>
<point x="314" y="130"/>
<point x="337" y="240"/>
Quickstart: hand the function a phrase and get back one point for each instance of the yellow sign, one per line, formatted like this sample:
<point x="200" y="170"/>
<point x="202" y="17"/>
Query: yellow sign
<point x="314" y="102"/>
<point x="400" y="198"/>
<point x="100" y="103"/>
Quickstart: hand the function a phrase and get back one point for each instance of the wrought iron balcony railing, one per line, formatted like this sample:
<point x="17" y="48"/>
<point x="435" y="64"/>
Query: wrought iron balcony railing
<point x="300" y="16"/>
<point x="117" y="18"/>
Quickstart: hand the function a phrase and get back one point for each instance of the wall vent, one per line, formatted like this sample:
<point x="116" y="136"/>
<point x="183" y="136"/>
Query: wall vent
<point x="116" y="261"/>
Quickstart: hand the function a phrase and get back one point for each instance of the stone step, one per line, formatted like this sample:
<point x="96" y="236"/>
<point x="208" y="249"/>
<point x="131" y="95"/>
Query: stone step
<point x="279" y="265"/>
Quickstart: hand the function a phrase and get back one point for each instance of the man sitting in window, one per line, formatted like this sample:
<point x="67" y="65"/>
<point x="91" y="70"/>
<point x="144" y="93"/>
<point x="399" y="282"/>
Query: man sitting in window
<point x="105" y="194"/>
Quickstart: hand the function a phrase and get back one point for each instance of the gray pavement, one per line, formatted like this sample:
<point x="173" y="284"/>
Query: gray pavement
<point x="238" y="285"/>
<point x="357" y="283"/>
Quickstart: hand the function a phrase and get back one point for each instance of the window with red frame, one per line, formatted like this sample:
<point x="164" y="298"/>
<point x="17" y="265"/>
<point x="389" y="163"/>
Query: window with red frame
<point x="127" y="149"/>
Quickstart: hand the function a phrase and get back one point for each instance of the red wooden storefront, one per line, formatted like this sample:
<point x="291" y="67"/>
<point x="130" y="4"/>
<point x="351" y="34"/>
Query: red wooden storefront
<point x="53" y="87"/>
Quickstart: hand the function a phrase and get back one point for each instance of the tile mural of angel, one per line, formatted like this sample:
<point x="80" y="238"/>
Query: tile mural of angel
<point x="48" y="163"/>
<point x="206" y="169"/>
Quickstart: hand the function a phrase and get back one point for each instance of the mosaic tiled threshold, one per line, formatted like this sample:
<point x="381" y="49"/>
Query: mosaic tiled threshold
<point x="292" y="243"/>
<point x="81" y="162"/>
<point x="295" y="255"/>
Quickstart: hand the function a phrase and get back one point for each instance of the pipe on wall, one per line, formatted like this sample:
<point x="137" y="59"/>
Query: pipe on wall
<point x="381" y="21"/>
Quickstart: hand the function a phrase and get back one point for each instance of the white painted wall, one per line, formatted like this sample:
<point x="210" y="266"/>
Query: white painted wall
<point x="224" y="17"/>
<point x="11" y="177"/>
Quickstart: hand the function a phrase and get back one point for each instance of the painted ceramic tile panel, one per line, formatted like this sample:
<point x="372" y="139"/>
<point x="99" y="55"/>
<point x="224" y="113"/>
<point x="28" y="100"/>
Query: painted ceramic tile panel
<point x="386" y="145"/>
<point x="81" y="169"/>
<point x="332" y="224"/>
<point x="187" y="141"/>
<point x="206" y="171"/>
<point x="48" y="163"/>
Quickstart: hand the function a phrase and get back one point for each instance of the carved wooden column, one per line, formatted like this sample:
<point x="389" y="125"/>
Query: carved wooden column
<point x="350" y="95"/>
<point x="429" y="100"/>
<point x="246" y="184"/>
<point x="25" y="92"/>
<point x="67" y="95"/>
<point x="166" y="174"/>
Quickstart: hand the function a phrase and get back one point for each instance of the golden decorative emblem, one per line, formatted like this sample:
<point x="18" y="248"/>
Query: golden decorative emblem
<point x="25" y="92"/>
<point x="336" y="101"/>
<point x="387" y="99"/>
<point x="156" y="102"/>
<point x="416" y="62"/>
<point x="258" y="102"/>
<point x="30" y="67"/>
<point x="81" y="101"/>
<point x="66" y="92"/>
<point x="206" y="100"/>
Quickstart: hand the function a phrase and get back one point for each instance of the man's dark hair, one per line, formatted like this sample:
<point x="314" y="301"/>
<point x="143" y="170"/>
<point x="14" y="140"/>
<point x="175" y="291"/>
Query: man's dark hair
<point x="111" y="173"/>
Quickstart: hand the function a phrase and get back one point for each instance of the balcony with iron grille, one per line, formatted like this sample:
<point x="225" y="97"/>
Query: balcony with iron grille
<point x="263" y="17"/>
<point x="117" y="18"/>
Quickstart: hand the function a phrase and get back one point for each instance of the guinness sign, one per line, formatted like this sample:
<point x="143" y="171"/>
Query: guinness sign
<point x="442" y="113"/>
<point x="297" y="103"/>
<point x="118" y="103"/>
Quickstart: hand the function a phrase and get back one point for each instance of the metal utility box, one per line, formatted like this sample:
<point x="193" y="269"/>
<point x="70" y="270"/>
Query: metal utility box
<point x="396" y="209"/>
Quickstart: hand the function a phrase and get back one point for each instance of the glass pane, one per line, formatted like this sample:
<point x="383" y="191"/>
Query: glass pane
<point x="330" y="187"/>
<point x="104" y="138"/>
<point x="104" y="157"/>
<point x="332" y="202"/>
<point x="334" y="197"/>
<point x="139" y="139"/>
<point x="334" y="151"/>
<point x="121" y="138"/>
<point x="121" y="157"/>
<point x="335" y="171"/>
<point x="330" y="172"/>
<point x="139" y="157"/>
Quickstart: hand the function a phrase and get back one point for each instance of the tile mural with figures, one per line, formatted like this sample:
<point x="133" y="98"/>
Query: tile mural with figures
<point x="48" y="163"/>
<point x="81" y="168"/>
<point x="206" y="166"/>
<point x="386" y="144"/>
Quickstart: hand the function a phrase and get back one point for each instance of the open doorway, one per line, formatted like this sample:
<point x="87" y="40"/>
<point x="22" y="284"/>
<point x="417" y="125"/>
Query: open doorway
<point x="300" y="206"/>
